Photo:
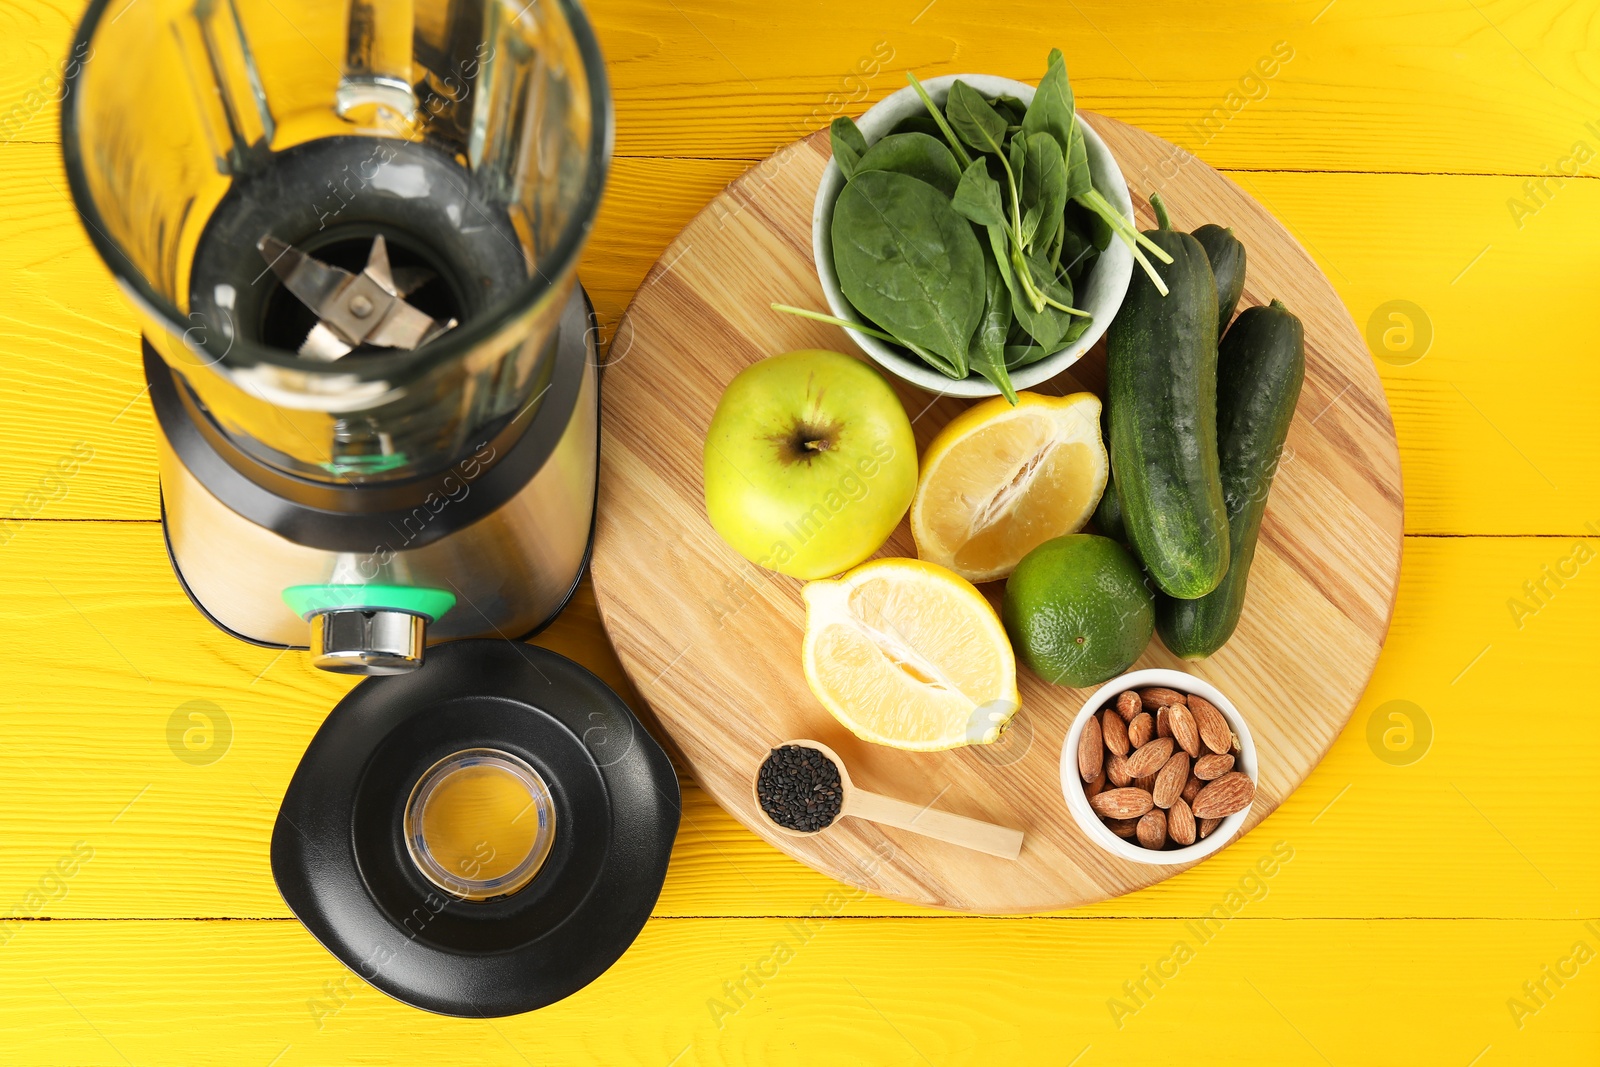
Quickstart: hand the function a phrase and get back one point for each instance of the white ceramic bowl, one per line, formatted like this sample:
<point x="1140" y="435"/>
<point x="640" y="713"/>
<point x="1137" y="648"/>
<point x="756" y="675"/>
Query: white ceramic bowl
<point x="1101" y="297"/>
<point x="1072" y="783"/>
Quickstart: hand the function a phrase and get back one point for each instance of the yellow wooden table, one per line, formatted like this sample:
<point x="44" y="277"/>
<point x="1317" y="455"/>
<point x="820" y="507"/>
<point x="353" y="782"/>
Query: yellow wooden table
<point x="1430" y="895"/>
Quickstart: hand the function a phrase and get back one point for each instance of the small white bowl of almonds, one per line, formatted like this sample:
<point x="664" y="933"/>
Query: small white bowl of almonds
<point x="1159" y="767"/>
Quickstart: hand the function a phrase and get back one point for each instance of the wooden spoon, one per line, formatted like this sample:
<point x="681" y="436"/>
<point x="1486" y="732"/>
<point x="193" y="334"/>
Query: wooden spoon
<point x="975" y="834"/>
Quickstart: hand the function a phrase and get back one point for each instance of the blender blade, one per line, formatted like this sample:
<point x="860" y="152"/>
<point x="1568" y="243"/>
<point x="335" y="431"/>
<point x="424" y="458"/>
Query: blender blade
<point x="353" y="309"/>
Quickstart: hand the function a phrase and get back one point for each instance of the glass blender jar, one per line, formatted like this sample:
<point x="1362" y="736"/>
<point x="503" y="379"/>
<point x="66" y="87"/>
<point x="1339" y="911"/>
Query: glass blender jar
<point x="350" y="231"/>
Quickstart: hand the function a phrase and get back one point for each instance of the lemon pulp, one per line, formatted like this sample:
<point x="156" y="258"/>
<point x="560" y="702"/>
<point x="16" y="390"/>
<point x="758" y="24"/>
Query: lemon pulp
<point x="910" y="655"/>
<point x="999" y="481"/>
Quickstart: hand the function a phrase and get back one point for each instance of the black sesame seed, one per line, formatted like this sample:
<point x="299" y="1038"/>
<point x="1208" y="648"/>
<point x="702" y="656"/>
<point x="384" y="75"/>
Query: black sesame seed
<point x="799" y="788"/>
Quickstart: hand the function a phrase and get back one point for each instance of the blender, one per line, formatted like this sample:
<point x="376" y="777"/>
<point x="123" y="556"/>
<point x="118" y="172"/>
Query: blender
<point x="350" y="231"/>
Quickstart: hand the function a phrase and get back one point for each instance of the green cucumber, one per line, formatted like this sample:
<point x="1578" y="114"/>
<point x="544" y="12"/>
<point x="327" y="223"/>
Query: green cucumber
<point x="1261" y="366"/>
<point x="1108" y="513"/>
<point x="1161" y="371"/>
<point x="1225" y="253"/>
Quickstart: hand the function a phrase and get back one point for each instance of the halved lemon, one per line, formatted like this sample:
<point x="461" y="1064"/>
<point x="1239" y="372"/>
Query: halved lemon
<point x="909" y="655"/>
<point x="999" y="481"/>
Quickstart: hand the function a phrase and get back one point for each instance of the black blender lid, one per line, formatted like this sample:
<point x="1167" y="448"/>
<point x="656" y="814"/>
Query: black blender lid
<point x="340" y="855"/>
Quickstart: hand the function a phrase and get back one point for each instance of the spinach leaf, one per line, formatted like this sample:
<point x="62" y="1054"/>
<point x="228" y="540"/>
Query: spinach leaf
<point x="1010" y="108"/>
<point x="921" y="122"/>
<point x="1017" y="154"/>
<point x="923" y="157"/>
<point x="975" y="122"/>
<point x="1046" y="327"/>
<point x="1044" y="191"/>
<point x="1002" y="255"/>
<point x="1078" y="328"/>
<point x="1079" y="271"/>
<point x="936" y="361"/>
<point x="1075" y="248"/>
<point x="1079" y="180"/>
<point x="848" y="144"/>
<point x="977" y="196"/>
<point x="908" y="262"/>
<point x="1019" y="356"/>
<point x="1050" y="325"/>
<point x="986" y="353"/>
<point x="1053" y="109"/>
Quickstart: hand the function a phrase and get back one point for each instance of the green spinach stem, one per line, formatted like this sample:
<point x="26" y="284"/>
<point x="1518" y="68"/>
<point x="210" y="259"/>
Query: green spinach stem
<point x="1019" y="264"/>
<point x="833" y="320"/>
<point x="1102" y="207"/>
<point x="938" y="117"/>
<point x="933" y="359"/>
<point x="1069" y="310"/>
<point x="1129" y="234"/>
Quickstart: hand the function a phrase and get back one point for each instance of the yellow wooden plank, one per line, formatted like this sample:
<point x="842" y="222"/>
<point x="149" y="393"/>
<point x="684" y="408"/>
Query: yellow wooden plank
<point x="1418" y="85"/>
<point x="103" y="650"/>
<point x="1475" y="410"/>
<point x="894" y="991"/>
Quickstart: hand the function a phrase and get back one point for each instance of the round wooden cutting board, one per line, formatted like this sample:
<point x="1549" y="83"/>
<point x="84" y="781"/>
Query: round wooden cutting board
<point x="713" y="642"/>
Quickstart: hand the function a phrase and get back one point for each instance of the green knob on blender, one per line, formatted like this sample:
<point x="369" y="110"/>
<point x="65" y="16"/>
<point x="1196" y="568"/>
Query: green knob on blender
<point x="309" y="600"/>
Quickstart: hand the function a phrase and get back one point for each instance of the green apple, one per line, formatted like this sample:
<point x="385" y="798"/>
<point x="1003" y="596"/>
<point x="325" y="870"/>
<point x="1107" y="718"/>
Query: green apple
<point x="809" y="463"/>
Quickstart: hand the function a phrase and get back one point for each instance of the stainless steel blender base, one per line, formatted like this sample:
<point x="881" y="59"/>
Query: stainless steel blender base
<point x="511" y="570"/>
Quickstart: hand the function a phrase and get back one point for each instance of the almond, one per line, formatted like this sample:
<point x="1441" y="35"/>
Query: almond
<point x="1141" y="729"/>
<point x="1149" y="757"/>
<point x="1170" y="779"/>
<point x="1184" y="730"/>
<point x="1208" y="825"/>
<point x="1091" y="750"/>
<point x="1121" y="803"/>
<point x="1099" y="783"/>
<point x="1117" y="771"/>
<point x="1180" y="823"/>
<point x="1228" y="794"/>
<point x="1213" y="727"/>
<point x="1191" y="788"/>
<point x="1121" y="827"/>
<point x="1128" y="705"/>
<point x="1147" y="783"/>
<point x="1160" y="697"/>
<point x="1163" y="725"/>
<point x="1213" y="765"/>
<point x="1152" y="829"/>
<point x="1115" y="732"/>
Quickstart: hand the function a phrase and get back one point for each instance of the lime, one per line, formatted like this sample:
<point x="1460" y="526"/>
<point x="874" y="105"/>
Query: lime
<point x="1078" y="610"/>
